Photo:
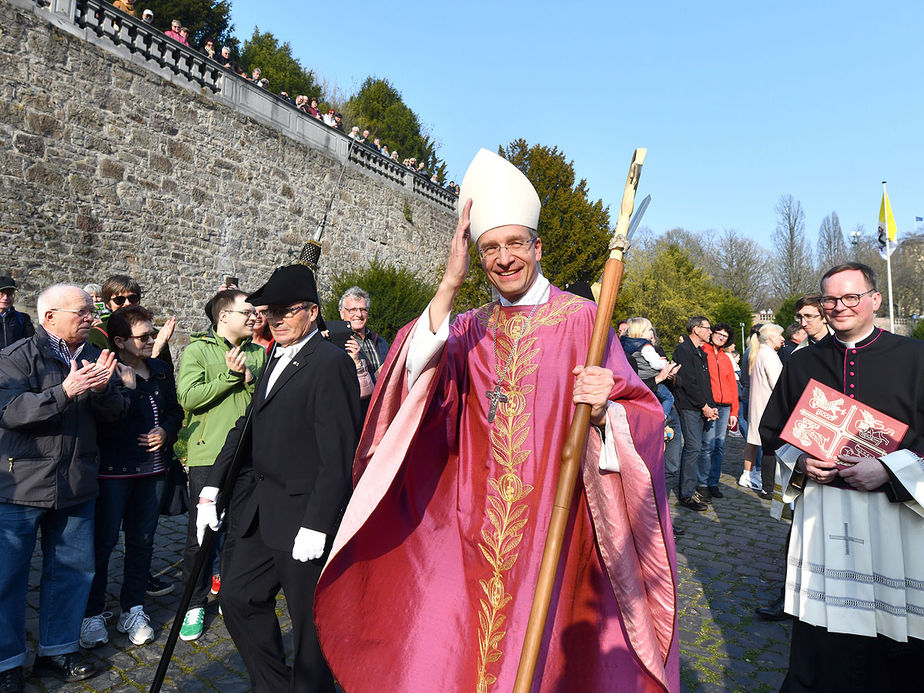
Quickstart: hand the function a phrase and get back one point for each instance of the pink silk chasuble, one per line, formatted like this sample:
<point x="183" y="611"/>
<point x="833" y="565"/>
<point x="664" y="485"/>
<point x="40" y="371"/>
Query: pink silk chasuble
<point x="432" y="574"/>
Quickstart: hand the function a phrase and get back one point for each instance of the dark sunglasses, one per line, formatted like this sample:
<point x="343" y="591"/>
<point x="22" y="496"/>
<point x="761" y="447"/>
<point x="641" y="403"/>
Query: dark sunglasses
<point x="134" y="299"/>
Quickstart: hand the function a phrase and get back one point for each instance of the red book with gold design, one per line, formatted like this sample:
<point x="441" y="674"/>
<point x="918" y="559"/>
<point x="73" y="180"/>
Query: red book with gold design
<point x="827" y="424"/>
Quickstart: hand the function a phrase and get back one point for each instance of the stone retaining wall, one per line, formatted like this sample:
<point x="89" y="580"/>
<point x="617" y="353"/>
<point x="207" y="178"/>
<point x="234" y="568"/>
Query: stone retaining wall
<point x="109" y="167"/>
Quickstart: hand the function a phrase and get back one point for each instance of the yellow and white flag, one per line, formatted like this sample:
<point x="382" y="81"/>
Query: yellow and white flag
<point x="886" y="226"/>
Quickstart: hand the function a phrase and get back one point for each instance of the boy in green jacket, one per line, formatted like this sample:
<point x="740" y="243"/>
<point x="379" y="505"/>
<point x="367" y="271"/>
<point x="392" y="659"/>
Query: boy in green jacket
<point x="218" y="372"/>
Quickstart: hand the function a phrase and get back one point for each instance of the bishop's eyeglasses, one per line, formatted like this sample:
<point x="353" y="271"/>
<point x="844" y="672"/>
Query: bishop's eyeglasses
<point x="489" y="252"/>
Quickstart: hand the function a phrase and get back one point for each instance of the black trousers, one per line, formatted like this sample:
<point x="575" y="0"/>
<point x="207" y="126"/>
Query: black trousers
<point x="200" y="596"/>
<point x="820" y="661"/>
<point x="251" y="578"/>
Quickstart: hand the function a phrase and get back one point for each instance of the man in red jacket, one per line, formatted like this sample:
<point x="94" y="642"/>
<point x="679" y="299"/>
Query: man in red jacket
<point x="725" y="394"/>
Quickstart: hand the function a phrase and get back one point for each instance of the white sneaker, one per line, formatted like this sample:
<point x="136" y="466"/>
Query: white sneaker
<point x="745" y="479"/>
<point x="93" y="631"/>
<point x="137" y="624"/>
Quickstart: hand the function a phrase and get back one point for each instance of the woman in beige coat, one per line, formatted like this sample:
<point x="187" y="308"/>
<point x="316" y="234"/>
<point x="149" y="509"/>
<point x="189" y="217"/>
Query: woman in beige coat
<point x="765" y="367"/>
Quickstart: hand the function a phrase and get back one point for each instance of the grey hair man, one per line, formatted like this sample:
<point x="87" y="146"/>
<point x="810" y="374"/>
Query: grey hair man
<point x="55" y="388"/>
<point x="354" y="308"/>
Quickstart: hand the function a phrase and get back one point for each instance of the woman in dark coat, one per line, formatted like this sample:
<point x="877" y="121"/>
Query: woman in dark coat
<point x="134" y="456"/>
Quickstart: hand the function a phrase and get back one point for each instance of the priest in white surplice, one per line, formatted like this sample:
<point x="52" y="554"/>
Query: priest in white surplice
<point x="855" y="569"/>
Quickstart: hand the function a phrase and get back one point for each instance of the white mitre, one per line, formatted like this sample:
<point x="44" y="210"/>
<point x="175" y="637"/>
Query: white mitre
<point x="500" y="194"/>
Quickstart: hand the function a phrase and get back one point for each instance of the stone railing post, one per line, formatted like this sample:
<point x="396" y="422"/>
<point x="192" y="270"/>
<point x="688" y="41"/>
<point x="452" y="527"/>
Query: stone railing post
<point x="65" y="9"/>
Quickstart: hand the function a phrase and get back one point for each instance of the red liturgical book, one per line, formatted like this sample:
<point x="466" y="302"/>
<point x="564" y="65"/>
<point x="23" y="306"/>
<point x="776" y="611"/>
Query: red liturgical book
<point x="827" y="423"/>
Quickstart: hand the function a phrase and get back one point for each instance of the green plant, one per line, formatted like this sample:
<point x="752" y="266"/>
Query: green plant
<point x="408" y="212"/>
<point x="396" y="295"/>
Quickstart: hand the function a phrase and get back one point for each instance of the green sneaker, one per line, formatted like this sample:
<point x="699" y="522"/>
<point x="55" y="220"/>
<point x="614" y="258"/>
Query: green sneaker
<point x="192" y="624"/>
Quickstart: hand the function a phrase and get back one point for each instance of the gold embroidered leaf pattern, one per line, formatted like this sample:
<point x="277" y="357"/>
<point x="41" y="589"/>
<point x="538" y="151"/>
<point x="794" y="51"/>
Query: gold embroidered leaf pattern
<point x="507" y="512"/>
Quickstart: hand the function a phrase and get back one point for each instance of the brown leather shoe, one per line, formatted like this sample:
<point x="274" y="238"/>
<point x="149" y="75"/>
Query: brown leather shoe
<point x="68" y="667"/>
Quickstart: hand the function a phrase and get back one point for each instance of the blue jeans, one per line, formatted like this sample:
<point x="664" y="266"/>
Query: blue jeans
<point x="67" y="570"/>
<point x="666" y="398"/>
<point x="672" y="450"/>
<point x="135" y="505"/>
<point x="693" y="424"/>
<point x="710" y="464"/>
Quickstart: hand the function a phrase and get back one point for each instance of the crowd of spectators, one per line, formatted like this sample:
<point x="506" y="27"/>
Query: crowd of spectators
<point x="306" y="104"/>
<point x="110" y="412"/>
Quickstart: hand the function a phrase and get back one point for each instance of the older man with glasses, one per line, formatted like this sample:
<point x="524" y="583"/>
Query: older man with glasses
<point x="55" y="390"/>
<point x="696" y="406"/>
<point x="855" y="566"/>
<point x="354" y="308"/>
<point x="299" y="436"/>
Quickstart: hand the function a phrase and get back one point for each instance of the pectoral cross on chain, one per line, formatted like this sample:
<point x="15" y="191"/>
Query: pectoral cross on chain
<point x="846" y="538"/>
<point x="496" y="396"/>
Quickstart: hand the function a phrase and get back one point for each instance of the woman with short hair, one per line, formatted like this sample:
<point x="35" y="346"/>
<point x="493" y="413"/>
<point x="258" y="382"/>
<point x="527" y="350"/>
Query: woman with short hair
<point x="134" y="455"/>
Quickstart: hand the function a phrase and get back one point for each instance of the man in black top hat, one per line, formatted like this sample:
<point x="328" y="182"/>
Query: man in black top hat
<point x="300" y="439"/>
<point x="14" y="324"/>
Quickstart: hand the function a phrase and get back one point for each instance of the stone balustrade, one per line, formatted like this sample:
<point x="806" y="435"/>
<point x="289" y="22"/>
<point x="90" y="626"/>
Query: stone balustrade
<point x="98" y="22"/>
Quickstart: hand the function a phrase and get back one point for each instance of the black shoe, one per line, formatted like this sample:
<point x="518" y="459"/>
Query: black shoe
<point x="678" y="531"/>
<point x="774" y="612"/>
<point x="702" y="494"/>
<point x="693" y="503"/>
<point x="11" y="680"/>
<point x="68" y="667"/>
<point x="716" y="492"/>
<point x="764" y="495"/>
<point x="158" y="587"/>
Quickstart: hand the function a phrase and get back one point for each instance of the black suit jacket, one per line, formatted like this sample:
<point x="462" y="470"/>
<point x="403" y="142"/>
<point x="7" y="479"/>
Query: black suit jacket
<point x="301" y="442"/>
<point x="692" y="387"/>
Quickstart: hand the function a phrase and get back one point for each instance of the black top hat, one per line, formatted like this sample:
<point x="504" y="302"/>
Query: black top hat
<point x="287" y="285"/>
<point x="7" y="283"/>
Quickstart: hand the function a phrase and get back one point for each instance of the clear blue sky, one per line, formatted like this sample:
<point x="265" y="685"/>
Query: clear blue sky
<point x="737" y="103"/>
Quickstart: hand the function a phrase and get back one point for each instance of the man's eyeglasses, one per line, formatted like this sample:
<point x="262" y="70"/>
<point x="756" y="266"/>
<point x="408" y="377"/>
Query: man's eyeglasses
<point x="134" y="299"/>
<point x="362" y="311"/>
<point x="146" y="337"/>
<point x="246" y="313"/>
<point x="274" y="313"/>
<point x="705" y="327"/>
<point x="847" y="300"/>
<point x="808" y="317"/>
<point x="489" y="252"/>
<point x="83" y="313"/>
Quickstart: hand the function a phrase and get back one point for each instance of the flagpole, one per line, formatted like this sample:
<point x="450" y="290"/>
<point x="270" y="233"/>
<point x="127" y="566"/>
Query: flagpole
<point x="888" y="263"/>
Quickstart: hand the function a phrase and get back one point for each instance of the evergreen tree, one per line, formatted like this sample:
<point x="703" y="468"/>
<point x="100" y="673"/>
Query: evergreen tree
<point x="379" y="107"/>
<point x="281" y="69"/>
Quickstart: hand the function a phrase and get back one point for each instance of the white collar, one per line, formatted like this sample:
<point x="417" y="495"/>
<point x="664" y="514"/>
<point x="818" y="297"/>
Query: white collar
<point x="851" y="345"/>
<point x="291" y="350"/>
<point x="537" y="293"/>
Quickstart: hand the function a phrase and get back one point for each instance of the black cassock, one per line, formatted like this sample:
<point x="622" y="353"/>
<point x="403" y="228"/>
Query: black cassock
<point x="301" y="443"/>
<point x="886" y="372"/>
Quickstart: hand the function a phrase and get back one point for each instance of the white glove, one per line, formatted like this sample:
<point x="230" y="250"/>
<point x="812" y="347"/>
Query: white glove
<point x="206" y="516"/>
<point x="309" y="545"/>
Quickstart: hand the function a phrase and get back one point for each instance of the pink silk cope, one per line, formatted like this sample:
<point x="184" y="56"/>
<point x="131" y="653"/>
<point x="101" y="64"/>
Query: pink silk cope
<point x="431" y="576"/>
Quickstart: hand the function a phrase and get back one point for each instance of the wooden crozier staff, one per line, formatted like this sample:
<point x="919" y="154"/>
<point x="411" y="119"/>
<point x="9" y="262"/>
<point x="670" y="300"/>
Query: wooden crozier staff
<point x="577" y="437"/>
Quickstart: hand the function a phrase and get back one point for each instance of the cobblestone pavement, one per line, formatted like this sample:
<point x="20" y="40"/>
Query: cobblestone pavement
<point x="730" y="561"/>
